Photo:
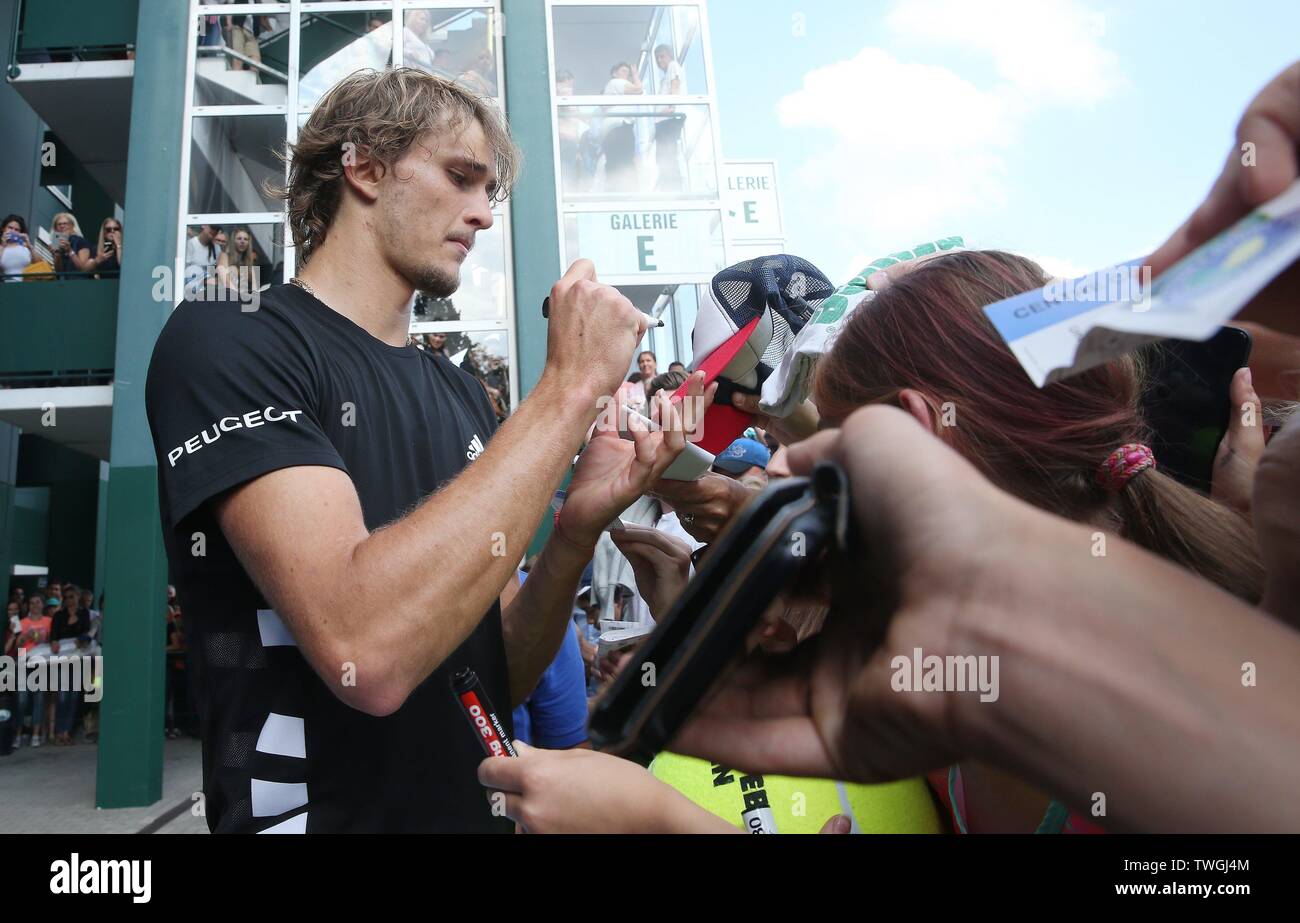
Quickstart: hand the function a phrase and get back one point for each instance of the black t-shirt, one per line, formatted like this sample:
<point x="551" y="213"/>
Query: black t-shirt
<point x="62" y="628"/>
<point x="232" y="395"/>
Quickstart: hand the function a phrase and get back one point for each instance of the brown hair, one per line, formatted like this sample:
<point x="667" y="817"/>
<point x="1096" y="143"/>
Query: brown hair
<point x="669" y="381"/>
<point x="382" y="113"/>
<point x="928" y="332"/>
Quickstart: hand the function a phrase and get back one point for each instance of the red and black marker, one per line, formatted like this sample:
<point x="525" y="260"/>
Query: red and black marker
<point x="482" y="717"/>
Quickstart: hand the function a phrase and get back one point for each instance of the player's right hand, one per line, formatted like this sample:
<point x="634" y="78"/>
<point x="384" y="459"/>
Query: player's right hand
<point x="593" y="332"/>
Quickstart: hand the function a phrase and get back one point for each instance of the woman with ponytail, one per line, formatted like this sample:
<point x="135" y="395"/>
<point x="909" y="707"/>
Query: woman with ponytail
<point x="1077" y="448"/>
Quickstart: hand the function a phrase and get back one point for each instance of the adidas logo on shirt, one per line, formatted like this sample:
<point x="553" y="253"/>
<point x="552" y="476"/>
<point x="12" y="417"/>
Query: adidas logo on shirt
<point x="475" y="448"/>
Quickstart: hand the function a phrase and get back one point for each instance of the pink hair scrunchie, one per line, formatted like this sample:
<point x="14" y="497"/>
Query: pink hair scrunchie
<point x="1122" y="465"/>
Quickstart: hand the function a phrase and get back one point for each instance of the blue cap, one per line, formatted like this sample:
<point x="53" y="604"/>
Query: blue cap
<point x="742" y="455"/>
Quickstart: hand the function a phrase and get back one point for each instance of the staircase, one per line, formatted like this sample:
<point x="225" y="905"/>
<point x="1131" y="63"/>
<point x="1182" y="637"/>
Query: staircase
<point x="217" y="85"/>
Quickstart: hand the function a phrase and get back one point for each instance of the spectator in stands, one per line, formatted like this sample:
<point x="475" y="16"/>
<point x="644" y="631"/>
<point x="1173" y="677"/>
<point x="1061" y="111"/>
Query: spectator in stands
<point x="443" y="65"/>
<point x="415" y="41"/>
<point x="677" y="367"/>
<point x="236" y="263"/>
<point x="96" y="616"/>
<point x="71" y="623"/>
<point x="647" y="365"/>
<point x="245" y="38"/>
<point x="107" y="263"/>
<point x="375" y="23"/>
<point x="210" y="34"/>
<point x="12" y="626"/>
<point x="436" y="343"/>
<point x="670" y="80"/>
<point x="34" y="629"/>
<point x="90" y="710"/>
<point x="202" y="253"/>
<point x="481" y="77"/>
<point x="71" y="250"/>
<point x="15" y="248"/>
<point x="570" y="127"/>
<point x="619" y="132"/>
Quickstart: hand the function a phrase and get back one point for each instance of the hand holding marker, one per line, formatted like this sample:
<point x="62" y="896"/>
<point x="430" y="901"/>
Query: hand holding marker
<point x="652" y="320"/>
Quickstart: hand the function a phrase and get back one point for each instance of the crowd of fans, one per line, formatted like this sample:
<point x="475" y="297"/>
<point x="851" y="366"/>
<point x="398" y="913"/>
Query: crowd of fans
<point x="424" y="44"/>
<point x="221" y="259"/>
<point x="602" y="149"/>
<point x="61" y="619"/>
<point x="58" y="619"/>
<point x="67" y="254"/>
<point x="1119" y="668"/>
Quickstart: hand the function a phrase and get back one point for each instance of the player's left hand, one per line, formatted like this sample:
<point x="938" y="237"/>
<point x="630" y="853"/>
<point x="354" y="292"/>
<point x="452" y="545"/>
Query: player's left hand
<point x="612" y="472"/>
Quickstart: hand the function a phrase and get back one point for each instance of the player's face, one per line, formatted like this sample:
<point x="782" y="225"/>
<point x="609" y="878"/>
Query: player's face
<point x="434" y="202"/>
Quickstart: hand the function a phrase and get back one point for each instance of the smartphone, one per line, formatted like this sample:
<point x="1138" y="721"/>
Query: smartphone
<point x="782" y="535"/>
<point x="1186" y="402"/>
<point x="691" y="465"/>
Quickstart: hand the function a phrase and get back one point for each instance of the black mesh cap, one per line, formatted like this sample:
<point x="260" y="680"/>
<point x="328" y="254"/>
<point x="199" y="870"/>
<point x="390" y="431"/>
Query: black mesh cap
<point x="791" y="286"/>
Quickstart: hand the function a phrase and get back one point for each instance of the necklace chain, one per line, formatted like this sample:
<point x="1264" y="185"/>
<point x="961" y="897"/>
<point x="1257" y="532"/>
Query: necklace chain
<point x="304" y="286"/>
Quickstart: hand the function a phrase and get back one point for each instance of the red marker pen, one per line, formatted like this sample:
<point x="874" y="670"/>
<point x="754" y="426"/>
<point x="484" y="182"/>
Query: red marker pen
<point x="478" y="709"/>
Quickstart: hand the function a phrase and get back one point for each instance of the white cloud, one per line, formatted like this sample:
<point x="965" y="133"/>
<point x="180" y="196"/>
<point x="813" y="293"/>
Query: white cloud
<point x="901" y="151"/>
<point x="892" y="166"/>
<point x="1048" y="50"/>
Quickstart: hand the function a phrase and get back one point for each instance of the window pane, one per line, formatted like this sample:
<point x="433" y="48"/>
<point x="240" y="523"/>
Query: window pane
<point x="592" y="41"/>
<point x="687" y="304"/>
<point x="245" y="64"/>
<point x="485" y="354"/>
<point x="459" y="44"/>
<point x="636" y="152"/>
<point x="678" y="306"/>
<point x="229" y="255"/>
<point x="231" y="159"/>
<point x="334" y="45"/>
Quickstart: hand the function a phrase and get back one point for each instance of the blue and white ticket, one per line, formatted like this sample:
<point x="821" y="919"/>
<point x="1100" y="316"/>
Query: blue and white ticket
<point x="1071" y="325"/>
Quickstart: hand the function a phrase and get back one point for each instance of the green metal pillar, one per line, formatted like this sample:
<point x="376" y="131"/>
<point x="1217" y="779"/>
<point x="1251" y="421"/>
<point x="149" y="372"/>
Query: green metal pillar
<point x="535" y="236"/>
<point x="8" y="486"/>
<point x="131" y="714"/>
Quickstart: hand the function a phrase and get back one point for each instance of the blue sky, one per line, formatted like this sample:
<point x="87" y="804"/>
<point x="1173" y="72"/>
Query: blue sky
<point x="1079" y="133"/>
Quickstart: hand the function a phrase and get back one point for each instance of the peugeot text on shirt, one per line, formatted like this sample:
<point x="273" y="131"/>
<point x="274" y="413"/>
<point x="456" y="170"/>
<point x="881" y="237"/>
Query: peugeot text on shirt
<point x="245" y="421"/>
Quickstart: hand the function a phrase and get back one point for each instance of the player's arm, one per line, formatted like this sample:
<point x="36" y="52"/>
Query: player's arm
<point x="611" y="474"/>
<point x="394" y="603"/>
